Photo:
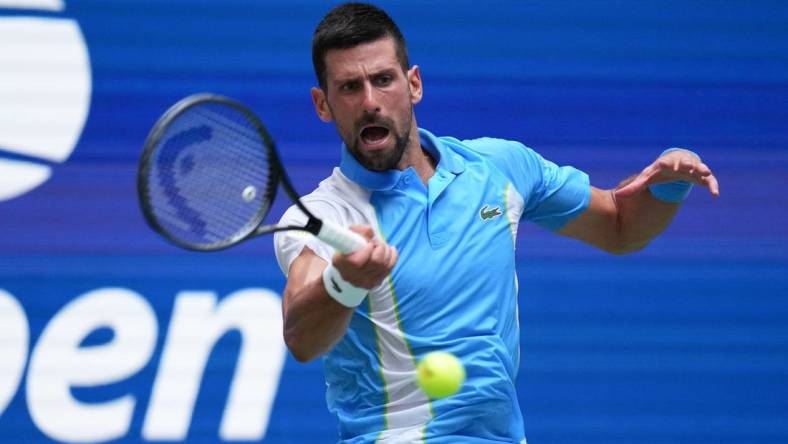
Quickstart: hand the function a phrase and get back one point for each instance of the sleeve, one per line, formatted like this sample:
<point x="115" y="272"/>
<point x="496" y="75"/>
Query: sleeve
<point x="553" y="195"/>
<point x="289" y="244"/>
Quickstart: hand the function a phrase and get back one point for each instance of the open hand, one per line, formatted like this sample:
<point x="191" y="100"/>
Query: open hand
<point x="672" y="166"/>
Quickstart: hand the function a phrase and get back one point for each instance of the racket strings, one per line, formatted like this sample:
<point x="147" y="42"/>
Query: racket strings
<point x="210" y="176"/>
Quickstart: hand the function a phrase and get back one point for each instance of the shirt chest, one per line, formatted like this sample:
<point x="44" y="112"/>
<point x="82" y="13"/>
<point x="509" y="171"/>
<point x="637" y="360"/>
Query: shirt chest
<point x="456" y="226"/>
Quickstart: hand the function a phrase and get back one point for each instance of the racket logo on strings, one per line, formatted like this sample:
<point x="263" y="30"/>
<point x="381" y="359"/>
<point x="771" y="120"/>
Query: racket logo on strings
<point x="208" y="176"/>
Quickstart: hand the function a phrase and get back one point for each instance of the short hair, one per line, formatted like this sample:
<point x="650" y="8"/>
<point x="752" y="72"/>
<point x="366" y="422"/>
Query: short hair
<point x="349" y="25"/>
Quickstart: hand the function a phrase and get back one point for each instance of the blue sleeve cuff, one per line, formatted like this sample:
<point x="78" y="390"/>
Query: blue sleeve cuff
<point x="577" y="190"/>
<point x="676" y="191"/>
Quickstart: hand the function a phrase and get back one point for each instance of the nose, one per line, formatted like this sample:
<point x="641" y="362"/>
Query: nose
<point x="371" y="102"/>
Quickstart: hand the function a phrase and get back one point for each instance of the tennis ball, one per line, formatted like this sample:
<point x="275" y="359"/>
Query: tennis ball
<point x="440" y="374"/>
<point x="249" y="193"/>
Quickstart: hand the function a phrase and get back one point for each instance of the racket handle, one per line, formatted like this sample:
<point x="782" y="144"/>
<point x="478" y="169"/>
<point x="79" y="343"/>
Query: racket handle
<point x="342" y="239"/>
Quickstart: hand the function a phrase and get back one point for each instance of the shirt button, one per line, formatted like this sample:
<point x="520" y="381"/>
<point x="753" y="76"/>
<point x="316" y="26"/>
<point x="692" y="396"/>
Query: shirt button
<point x="406" y="180"/>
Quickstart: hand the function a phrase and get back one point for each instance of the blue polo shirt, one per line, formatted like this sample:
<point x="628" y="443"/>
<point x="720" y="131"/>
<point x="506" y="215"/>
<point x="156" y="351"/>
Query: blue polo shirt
<point x="454" y="287"/>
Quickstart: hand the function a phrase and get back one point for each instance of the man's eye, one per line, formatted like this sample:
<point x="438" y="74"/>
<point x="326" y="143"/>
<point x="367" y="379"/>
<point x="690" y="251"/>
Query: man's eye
<point x="349" y="86"/>
<point x="383" y="80"/>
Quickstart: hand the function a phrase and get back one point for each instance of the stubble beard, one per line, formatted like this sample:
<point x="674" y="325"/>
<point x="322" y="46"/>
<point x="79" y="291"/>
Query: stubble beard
<point x="384" y="159"/>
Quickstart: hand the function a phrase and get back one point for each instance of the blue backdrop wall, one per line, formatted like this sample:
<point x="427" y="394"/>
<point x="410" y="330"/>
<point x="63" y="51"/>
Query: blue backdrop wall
<point x="109" y="334"/>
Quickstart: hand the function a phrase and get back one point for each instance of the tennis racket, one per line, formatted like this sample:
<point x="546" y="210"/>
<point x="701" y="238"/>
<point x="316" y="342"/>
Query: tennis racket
<point x="208" y="175"/>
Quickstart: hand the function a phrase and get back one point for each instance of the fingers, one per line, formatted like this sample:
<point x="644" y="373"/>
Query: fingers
<point x="698" y="172"/>
<point x="707" y="179"/>
<point x="685" y="165"/>
<point x="364" y="230"/>
<point x="640" y="182"/>
<point x="368" y="269"/>
<point x="381" y="262"/>
<point x="673" y="166"/>
<point x="380" y="258"/>
<point x="393" y="258"/>
<point x="358" y="258"/>
<point x="380" y="254"/>
<point x="368" y="266"/>
<point x="632" y="188"/>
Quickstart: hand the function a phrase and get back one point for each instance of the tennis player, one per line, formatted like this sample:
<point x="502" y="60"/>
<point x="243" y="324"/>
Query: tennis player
<point x="448" y="209"/>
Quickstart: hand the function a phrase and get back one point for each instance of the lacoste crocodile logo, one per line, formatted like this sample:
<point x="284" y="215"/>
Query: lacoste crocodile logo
<point x="486" y="214"/>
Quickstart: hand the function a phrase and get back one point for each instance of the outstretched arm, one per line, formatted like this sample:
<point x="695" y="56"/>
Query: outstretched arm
<point x="627" y="218"/>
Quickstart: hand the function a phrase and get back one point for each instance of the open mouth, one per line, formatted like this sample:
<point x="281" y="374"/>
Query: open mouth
<point x="374" y="135"/>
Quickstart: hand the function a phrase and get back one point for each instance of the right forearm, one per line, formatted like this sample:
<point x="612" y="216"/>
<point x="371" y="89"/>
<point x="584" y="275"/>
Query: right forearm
<point x="313" y="321"/>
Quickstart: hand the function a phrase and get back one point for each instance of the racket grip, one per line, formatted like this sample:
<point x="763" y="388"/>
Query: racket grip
<point x="342" y="239"/>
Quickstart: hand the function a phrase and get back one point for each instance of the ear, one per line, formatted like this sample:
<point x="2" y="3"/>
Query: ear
<point x="414" y="83"/>
<point x="321" y="105"/>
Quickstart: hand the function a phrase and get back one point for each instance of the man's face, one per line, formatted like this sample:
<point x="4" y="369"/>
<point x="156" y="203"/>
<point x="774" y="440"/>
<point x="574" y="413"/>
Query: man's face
<point x="371" y="100"/>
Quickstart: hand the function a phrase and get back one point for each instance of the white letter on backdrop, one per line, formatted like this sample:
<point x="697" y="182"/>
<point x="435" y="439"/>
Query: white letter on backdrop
<point x="198" y="322"/>
<point x="14" y="339"/>
<point x="59" y="363"/>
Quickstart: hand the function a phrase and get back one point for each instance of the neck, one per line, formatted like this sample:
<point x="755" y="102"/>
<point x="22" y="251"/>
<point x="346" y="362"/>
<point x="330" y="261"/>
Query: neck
<point x="418" y="158"/>
<point x="421" y="161"/>
<point x="425" y="167"/>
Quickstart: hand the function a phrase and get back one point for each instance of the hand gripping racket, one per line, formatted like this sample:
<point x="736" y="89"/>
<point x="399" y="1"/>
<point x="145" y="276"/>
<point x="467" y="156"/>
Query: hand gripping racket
<point x="208" y="176"/>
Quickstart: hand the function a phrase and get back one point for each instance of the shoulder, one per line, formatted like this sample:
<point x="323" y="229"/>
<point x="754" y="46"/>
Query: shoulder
<point x="337" y="198"/>
<point x="522" y="166"/>
<point x="491" y="146"/>
<point x="504" y="152"/>
<point x="506" y="155"/>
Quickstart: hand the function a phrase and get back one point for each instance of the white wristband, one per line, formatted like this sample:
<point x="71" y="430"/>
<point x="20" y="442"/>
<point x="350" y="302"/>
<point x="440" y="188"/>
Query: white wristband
<point x="343" y="291"/>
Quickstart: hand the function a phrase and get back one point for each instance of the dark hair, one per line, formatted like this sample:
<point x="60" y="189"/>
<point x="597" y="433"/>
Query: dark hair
<point x="352" y="24"/>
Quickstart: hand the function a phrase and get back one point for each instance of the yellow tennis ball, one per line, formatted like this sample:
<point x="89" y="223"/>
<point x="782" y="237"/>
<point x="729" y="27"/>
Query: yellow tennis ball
<point x="440" y="374"/>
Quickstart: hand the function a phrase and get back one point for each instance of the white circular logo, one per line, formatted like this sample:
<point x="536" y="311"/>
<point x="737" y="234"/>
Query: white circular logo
<point x="45" y="87"/>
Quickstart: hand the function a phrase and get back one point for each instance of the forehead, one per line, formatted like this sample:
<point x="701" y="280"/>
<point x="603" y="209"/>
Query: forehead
<point x="364" y="58"/>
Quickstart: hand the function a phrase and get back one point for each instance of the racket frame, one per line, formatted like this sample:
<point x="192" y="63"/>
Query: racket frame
<point x="277" y="176"/>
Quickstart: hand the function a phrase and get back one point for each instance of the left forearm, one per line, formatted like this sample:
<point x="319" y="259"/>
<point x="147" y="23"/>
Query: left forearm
<point x="640" y="219"/>
<point x="627" y="218"/>
<point x="621" y="225"/>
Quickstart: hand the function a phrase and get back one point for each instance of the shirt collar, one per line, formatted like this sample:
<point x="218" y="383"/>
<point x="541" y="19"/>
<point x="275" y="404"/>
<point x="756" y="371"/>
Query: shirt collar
<point x="386" y="180"/>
